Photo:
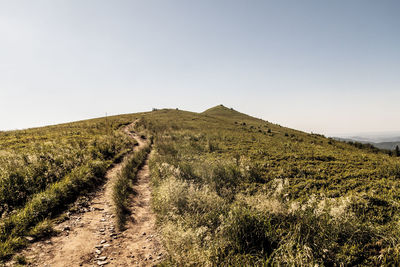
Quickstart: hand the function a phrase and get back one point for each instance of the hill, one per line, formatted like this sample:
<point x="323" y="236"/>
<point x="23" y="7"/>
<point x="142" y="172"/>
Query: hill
<point x="223" y="112"/>
<point x="230" y="189"/>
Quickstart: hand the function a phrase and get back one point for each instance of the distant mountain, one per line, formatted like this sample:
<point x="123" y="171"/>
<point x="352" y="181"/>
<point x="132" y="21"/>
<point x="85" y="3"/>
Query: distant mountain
<point x="389" y="145"/>
<point x="374" y="137"/>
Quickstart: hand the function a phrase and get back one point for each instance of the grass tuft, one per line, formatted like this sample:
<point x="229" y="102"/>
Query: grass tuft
<point x="122" y="187"/>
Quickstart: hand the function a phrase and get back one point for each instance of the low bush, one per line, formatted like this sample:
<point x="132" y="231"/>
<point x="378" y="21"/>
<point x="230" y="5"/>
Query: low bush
<point x="251" y="232"/>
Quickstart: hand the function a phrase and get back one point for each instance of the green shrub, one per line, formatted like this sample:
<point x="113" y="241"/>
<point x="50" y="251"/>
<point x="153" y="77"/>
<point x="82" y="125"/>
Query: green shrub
<point x="251" y="232"/>
<point x="225" y="179"/>
<point x="42" y="229"/>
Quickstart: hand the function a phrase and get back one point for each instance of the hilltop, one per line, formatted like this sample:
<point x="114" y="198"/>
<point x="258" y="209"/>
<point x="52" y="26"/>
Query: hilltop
<point x="221" y="111"/>
<point x="226" y="188"/>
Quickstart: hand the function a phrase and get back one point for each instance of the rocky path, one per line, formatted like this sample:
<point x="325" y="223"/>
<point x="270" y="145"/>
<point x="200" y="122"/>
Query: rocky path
<point x="89" y="236"/>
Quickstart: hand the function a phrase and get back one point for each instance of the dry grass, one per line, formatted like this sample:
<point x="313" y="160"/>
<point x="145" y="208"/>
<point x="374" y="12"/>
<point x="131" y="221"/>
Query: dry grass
<point x="122" y="188"/>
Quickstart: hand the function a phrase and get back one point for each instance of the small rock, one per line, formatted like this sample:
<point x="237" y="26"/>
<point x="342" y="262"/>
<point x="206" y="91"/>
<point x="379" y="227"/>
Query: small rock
<point x="106" y="245"/>
<point x="102" y="220"/>
<point x="102" y="229"/>
<point x="144" y="247"/>
<point x="144" y="233"/>
<point x="103" y="258"/>
<point x="29" y="238"/>
<point x="101" y="263"/>
<point x="66" y="228"/>
<point x="102" y="241"/>
<point x="99" y="246"/>
<point x="98" y="251"/>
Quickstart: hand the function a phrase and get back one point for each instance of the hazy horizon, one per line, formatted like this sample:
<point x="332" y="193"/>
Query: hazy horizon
<point x="330" y="68"/>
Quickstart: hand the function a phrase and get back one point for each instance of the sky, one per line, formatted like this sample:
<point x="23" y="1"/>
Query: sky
<point x="330" y="67"/>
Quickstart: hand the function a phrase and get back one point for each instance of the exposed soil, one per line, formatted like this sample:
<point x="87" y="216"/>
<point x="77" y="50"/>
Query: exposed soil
<point x="89" y="236"/>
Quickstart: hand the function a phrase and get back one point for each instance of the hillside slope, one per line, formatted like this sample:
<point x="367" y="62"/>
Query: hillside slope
<point x="232" y="189"/>
<point x="223" y="112"/>
<point x="227" y="188"/>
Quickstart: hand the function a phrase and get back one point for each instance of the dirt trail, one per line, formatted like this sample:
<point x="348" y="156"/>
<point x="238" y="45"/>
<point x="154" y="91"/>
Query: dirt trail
<point x="90" y="238"/>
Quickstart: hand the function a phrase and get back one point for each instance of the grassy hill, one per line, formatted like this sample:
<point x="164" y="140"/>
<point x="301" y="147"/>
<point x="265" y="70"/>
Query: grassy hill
<point x="232" y="189"/>
<point x="225" y="113"/>
<point x="228" y="189"/>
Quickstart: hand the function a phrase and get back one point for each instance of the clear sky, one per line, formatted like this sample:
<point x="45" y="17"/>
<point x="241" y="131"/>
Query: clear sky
<point x="331" y="67"/>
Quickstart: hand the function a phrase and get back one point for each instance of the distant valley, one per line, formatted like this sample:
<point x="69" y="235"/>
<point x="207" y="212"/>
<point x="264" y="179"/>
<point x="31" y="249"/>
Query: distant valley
<point x="383" y="141"/>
